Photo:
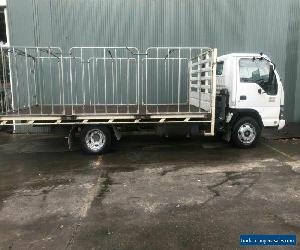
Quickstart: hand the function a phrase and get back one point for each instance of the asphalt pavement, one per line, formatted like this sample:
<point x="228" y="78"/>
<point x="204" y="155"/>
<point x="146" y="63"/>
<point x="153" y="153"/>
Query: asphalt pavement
<point x="146" y="193"/>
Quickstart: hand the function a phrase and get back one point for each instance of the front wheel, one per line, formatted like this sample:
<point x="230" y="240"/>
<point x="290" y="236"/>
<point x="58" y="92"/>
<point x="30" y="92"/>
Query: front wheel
<point x="246" y="132"/>
<point x="95" y="139"/>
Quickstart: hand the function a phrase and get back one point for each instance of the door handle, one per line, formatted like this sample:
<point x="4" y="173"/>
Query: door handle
<point x="243" y="97"/>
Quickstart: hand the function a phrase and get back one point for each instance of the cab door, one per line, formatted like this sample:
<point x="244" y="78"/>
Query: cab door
<point x="257" y="88"/>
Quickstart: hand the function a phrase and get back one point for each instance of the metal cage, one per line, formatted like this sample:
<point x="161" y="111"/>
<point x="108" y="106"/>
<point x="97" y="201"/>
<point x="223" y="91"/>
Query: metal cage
<point x="42" y="85"/>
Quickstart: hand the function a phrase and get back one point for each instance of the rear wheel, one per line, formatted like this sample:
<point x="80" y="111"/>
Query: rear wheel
<point x="246" y="132"/>
<point x="95" y="139"/>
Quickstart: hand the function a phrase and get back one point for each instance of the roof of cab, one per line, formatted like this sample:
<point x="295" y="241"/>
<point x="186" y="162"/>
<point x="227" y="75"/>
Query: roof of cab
<point x="224" y="57"/>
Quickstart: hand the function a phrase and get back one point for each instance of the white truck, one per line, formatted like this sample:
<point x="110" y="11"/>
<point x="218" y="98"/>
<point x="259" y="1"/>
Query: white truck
<point x="98" y="92"/>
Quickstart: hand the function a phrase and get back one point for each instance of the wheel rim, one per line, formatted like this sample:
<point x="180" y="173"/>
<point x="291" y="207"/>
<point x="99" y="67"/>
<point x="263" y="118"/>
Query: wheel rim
<point x="247" y="133"/>
<point x="95" y="140"/>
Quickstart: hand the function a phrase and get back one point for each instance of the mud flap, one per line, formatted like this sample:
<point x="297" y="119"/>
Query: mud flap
<point x="227" y="135"/>
<point x="117" y="133"/>
<point x="71" y="137"/>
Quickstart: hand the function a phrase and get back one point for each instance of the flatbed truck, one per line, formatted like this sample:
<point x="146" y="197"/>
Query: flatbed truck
<point x="97" y="91"/>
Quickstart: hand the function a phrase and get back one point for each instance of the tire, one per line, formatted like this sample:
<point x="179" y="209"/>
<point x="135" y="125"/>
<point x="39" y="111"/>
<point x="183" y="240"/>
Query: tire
<point x="95" y="139"/>
<point x="246" y="133"/>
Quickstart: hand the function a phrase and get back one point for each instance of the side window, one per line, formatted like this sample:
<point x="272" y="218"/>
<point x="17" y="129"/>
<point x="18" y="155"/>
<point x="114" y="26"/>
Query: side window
<point x="259" y="71"/>
<point x="220" y="66"/>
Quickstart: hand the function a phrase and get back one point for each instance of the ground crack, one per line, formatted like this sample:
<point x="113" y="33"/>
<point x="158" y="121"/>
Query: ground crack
<point x="74" y="233"/>
<point x="232" y="176"/>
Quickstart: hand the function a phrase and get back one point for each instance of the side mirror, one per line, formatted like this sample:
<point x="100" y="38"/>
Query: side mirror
<point x="260" y="91"/>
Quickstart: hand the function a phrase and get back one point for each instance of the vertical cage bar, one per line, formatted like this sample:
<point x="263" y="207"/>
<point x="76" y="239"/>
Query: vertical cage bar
<point x="165" y="84"/>
<point x="43" y="81"/>
<point x="27" y="80"/>
<point x="11" y="90"/>
<point x="121" y="82"/>
<point x="168" y="80"/>
<point x="157" y="80"/>
<point x="179" y="79"/>
<point x="89" y="81"/>
<point x="59" y="83"/>
<point x="62" y="82"/>
<point x="71" y="87"/>
<point x="113" y="80"/>
<point x="127" y="84"/>
<point x="75" y="85"/>
<point x="35" y="81"/>
<point x="51" y="80"/>
<point x="17" y="81"/>
<point x="105" y="92"/>
<point x="38" y="67"/>
<point x="3" y="98"/>
<point x="189" y="85"/>
<point x="82" y="79"/>
<point x="116" y="72"/>
<point x="172" y="87"/>
<point x="94" y="86"/>
<point x="146" y="90"/>
<point x="97" y="82"/>
<point x="138" y="101"/>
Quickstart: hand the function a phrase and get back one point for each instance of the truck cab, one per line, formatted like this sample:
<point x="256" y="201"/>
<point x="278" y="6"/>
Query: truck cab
<point x="255" y="96"/>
